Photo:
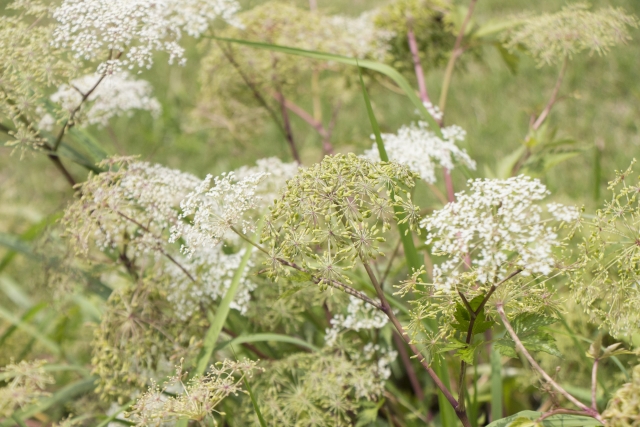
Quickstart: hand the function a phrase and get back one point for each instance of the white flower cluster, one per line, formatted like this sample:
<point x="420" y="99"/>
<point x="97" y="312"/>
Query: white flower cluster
<point x="116" y="95"/>
<point x="359" y="316"/>
<point x="563" y="212"/>
<point x="276" y="172"/>
<point x="213" y="208"/>
<point x="434" y="110"/>
<point x="133" y="204"/>
<point x="359" y="36"/>
<point x="498" y="226"/>
<point x="213" y="271"/>
<point x="384" y="357"/>
<point x="130" y="31"/>
<point x="421" y="150"/>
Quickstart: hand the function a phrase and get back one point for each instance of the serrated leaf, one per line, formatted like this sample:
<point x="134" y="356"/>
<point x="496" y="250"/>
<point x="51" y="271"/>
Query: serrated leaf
<point x="454" y="344"/>
<point x="541" y="342"/>
<point x="467" y="354"/>
<point x="369" y="415"/>
<point x="506" y="348"/>
<point x="528" y="323"/>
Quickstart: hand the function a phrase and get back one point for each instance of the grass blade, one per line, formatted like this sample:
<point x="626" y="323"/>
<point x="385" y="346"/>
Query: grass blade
<point x="221" y="314"/>
<point x="414" y="261"/>
<point x="254" y="402"/>
<point x="262" y="337"/>
<point x="11" y="318"/>
<point x="61" y="396"/>
<point x="496" y="385"/>
<point x="388" y="71"/>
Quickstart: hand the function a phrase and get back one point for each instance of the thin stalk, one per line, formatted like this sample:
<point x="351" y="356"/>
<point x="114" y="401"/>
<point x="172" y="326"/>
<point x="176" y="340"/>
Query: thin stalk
<point x="417" y="65"/>
<point x="334" y="283"/>
<point x="455" y="54"/>
<point x="288" y="133"/>
<point x="520" y="347"/>
<point x="386" y="308"/>
<point x="406" y="361"/>
<point x="594" y="385"/>
<point x="473" y="315"/>
<point x="554" y="97"/>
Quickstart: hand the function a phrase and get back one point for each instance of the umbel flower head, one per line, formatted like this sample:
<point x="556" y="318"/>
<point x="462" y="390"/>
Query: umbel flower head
<point x="623" y="409"/>
<point x="197" y="399"/>
<point x="421" y="150"/>
<point x="214" y="207"/>
<point x="25" y="384"/>
<point x="116" y="95"/>
<point x="132" y="205"/>
<point x="607" y="285"/>
<point x="29" y="67"/>
<point x="551" y="37"/>
<point x="335" y="211"/>
<point x="498" y="226"/>
<point x="130" y="31"/>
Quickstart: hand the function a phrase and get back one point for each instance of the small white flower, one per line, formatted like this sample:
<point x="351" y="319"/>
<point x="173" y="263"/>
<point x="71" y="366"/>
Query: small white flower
<point x="421" y="150"/>
<point x="563" y="212"/>
<point x="360" y="316"/>
<point x="498" y="226"/>
<point x="136" y="29"/>
<point x="213" y="208"/>
<point x="116" y="95"/>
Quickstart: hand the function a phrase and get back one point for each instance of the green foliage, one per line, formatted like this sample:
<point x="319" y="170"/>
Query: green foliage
<point x="606" y="285"/>
<point x="528" y="328"/>
<point x="430" y="22"/>
<point x="550" y="38"/>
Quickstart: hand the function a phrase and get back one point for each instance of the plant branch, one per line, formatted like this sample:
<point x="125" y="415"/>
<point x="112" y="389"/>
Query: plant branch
<point x="520" y="347"/>
<point x="455" y="54"/>
<point x="473" y="315"/>
<point x="333" y="283"/>
<point x="386" y="308"/>
<point x="417" y="65"/>
<point x="594" y="385"/>
<point x="288" y="133"/>
<point x="406" y="361"/>
<point x="554" y="97"/>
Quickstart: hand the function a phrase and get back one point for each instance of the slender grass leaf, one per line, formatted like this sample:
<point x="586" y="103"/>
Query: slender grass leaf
<point x="26" y="327"/>
<point x="388" y="71"/>
<point x="62" y="396"/>
<point x="113" y="416"/>
<point x="496" y="385"/>
<point x="24" y="318"/>
<point x="254" y="402"/>
<point x="220" y="317"/>
<point x="264" y="337"/>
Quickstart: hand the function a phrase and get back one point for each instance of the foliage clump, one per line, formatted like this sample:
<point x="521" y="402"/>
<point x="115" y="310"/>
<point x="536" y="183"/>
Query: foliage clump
<point x="623" y="409"/>
<point x="315" y="389"/>
<point x="552" y="37"/>
<point x="26" y="383"/>
<point x="607" y="284"/>
<point x="429" y="20"/>
<point x="197" y="399"/>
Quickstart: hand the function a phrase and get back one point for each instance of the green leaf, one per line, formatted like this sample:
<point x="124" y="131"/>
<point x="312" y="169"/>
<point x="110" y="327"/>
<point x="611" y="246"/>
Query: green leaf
<point x="560" y="420"/>
<point x="369" y="415"/>
<point x="506" y="348"/>
<point x="218" y="320"/>
<point x="299" y="277"/>
<point x="527" y="323"/>
<point x="254" y="402"/>
<point x="504" y="168"/>
<point x="467" y="354"/>
<point x="89" y="143"/>
<point x="28" y="315"/>
<point x="266" y="337"/>
<point x="30" y="330"/>
<point x="511" y="61"/>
